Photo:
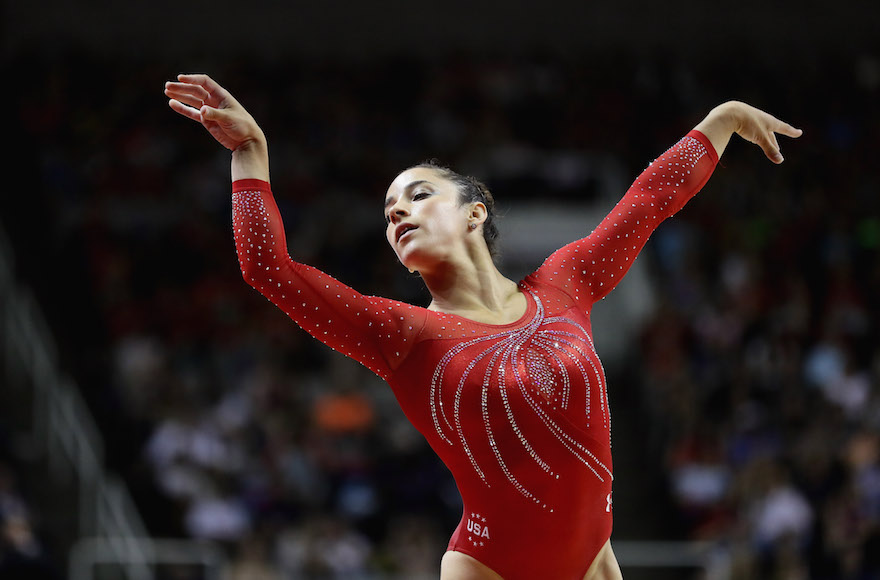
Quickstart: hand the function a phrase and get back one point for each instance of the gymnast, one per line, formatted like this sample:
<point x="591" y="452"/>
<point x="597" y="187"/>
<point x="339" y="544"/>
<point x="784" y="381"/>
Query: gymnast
<point x="502" y="378"/>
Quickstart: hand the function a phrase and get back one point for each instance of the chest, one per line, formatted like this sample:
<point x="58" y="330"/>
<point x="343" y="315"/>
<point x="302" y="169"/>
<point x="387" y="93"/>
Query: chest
<point x="465" y="376"/>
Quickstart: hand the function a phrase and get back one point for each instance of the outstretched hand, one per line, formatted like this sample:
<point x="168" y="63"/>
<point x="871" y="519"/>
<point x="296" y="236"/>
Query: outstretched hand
<point x="753" y="125"/>
<point x="200" y="98"/>
<point x="760" y="128"/>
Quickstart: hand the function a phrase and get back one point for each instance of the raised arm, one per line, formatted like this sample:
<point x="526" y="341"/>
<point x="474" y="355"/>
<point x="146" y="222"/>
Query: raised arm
<point x="376" y="332"/>
<point x="591" y="267"/>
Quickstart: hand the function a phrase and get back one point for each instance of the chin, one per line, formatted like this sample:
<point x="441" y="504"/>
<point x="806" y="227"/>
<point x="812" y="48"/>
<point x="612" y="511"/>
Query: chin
<point x="410" y="259"/>
<point x="416" y="258"/>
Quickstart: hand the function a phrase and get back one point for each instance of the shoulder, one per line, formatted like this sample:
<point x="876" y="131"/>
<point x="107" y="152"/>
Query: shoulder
<point x="395" y="312"/>
<point x="552" y="297"/>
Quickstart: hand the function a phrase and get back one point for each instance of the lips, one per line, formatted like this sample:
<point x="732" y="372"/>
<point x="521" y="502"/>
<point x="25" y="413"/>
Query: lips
<point x="402" y="229"/>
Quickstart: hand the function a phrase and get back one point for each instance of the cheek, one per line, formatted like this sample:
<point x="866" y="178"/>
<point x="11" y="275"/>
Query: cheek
<point x="447" y="227"/>
<point x="389" y="239"/>
<point x="439" y="217"/>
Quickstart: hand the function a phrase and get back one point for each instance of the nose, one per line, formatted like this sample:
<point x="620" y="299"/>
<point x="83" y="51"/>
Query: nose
<point x="397" y="212"/>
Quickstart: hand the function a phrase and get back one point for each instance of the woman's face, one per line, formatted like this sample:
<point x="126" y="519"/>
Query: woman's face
<point x="426" y="224"/>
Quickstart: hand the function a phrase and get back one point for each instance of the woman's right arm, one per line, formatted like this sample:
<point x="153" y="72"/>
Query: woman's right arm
<point x="376" y="332"/>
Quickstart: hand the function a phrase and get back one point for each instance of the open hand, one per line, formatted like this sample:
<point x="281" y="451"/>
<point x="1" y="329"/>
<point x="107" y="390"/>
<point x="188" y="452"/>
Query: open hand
<point x="200" y="98"/>
<point x="760" y="128"/>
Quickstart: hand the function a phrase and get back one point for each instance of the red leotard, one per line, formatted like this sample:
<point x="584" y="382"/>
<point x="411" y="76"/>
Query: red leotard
<point x="518" y="412"/>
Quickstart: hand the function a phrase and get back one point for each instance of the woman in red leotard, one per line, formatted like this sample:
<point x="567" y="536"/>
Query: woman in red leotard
<point x="500" y="377"/>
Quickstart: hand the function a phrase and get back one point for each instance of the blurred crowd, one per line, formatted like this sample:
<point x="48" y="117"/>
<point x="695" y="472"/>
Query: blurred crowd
<point x="23" y="553"/>
<point x="760" y="368"/>
<point x="757" y="374"/>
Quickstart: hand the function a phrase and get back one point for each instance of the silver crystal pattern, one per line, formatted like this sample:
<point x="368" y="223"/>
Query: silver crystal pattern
<point x="537" y="360"/>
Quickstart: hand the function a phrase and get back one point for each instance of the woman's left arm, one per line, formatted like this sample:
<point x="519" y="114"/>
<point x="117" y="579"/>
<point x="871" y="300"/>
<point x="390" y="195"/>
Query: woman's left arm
<point x="591" y="267"/>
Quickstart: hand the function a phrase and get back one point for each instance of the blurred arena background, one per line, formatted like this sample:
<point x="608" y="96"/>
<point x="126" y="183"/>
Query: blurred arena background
<point x="160" y="419"/>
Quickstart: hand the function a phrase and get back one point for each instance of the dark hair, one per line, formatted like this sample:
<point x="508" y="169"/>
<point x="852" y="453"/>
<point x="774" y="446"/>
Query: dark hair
<point x="470" y="190"/>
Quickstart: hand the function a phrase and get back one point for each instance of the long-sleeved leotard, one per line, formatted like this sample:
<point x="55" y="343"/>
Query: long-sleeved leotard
<point x="518" y="412"/>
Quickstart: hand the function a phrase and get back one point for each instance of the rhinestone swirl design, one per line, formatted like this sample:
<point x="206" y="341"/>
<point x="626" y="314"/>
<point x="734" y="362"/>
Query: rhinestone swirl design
<point x="539" y="361"/>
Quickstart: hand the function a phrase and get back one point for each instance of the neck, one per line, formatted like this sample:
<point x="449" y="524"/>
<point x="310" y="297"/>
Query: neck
<point x="475" y="286"/>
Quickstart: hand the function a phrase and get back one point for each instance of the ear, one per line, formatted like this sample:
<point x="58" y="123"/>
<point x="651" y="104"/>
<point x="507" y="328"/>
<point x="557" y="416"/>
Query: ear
<point x="478" y="213"/>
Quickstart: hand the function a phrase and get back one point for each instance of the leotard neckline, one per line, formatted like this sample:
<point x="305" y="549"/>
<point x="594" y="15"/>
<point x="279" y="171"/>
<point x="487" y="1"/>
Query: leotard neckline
<point x="531" y="307"/>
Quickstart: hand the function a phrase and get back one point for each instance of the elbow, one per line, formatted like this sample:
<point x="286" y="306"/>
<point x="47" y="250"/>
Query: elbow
<point x="251" y="273"/>
<point x="263" y="272"/>
<point x="250" y="279"/>
<point x="261" y="277"/>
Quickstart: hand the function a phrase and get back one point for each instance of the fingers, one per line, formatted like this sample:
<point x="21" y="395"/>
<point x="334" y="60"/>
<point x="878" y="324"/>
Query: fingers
<point x="788" y="130"/>
<point x="201" y="114"/>
<point x="764" y="129"/>
<point x="196" y="90"/>
<point x="209" y="85"/>
<point x="192" y="95"/>
<point x="185" y="110"/>
<point x="188" y="87"/>
<point x="201" y="80"/>
<point x="771" y="148"/>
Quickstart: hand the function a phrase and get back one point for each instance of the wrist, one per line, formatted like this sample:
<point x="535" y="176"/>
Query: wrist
<point x="720" y="124"/>
<point x="250" y="160"/>
<point x="728" y="116"/>
<point x="252" y="145"/>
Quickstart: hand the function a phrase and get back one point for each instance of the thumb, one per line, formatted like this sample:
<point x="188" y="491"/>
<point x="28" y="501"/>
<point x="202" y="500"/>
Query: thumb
<point x="211" y="114"/>
<point x="771" y="149"/>
<point x="773" y="153"/>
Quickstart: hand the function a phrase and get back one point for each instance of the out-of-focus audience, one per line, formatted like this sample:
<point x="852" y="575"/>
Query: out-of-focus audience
<point x="23" y="555"/>
<point x="757" y="374"/>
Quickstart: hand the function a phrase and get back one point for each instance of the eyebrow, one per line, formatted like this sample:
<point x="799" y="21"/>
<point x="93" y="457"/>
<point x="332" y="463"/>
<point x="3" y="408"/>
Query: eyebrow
<point x="409" y="187"/>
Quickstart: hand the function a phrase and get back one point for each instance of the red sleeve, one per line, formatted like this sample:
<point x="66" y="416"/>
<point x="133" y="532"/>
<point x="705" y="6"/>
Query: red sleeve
<point x="590" y="268"/>
<point x="376" y="332"/>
